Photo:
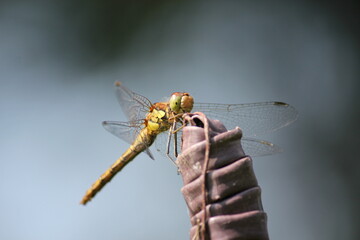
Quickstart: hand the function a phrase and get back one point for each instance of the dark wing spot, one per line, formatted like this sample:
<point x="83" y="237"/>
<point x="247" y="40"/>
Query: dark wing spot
<point x="281" y="103"/>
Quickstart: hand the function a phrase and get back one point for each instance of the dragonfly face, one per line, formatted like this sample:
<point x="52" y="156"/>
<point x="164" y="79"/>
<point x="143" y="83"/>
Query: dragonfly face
<point x="181" y="102"/>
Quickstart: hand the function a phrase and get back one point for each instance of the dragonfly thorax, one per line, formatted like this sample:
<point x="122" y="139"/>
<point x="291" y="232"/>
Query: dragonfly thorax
<point x="157" y="120"/>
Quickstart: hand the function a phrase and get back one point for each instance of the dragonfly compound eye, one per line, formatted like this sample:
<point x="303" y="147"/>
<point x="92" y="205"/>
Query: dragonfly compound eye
<point x="175" y="102"/>
<point x="187" y="102"/>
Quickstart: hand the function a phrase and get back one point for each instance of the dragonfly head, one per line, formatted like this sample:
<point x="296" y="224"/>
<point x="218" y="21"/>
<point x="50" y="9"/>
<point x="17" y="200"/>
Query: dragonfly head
<point x="181" y="102"/>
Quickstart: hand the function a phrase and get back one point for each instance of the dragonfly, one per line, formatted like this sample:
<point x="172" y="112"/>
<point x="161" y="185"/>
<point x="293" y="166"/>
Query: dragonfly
<point x="147" y="121"/>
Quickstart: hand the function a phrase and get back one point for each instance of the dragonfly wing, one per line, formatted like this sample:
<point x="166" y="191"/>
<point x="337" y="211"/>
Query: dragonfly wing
<point x="148" y="152"/>
<point x="255" y="147"/>
<point x="126" y="131"/>
<point x="252" y="118"/>
<point x="134" y="106"/>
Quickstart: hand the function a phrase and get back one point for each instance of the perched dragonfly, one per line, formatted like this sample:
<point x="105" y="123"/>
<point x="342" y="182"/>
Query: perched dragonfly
<point x="147" y="121"/>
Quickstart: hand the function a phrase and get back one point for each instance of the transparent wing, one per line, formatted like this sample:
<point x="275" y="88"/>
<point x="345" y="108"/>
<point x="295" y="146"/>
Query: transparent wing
<point x="252" y="118"/>
<point x="126" y="131"/>
<point x="134" y="106"/>
<point x="256" y="148"/>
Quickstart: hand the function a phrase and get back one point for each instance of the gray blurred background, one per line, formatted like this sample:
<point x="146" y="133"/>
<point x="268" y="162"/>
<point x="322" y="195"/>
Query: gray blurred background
<point x="58" y="63"/>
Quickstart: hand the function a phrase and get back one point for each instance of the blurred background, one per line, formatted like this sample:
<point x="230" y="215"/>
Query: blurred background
<point x="58" y="63"/>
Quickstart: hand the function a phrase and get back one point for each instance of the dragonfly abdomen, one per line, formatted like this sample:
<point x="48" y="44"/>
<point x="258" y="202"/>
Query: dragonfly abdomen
<point x="142" y="142"/>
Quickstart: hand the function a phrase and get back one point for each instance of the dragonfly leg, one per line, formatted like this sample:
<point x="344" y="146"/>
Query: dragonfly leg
<point x="168" y="147"/>
<point x="182" y="125"/>
<point x="168" y="143"/>
<point x="176" y="130"/>
<point x="175" y="139"/>
<point x="175" y="117"/>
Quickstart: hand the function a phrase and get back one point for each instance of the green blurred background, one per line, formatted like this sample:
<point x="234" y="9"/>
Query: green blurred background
<point x="58" y="63"/>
